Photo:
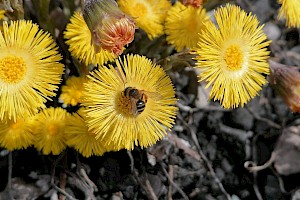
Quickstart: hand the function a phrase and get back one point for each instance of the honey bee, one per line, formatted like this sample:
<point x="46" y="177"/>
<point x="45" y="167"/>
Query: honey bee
<point x="138" y="100"/>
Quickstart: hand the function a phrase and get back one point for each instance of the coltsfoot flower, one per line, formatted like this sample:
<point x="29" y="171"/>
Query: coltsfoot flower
<point x="183" y="25"/>
<point x="232" y="57"/>
<point x="149" y="15"/>
<point x="50" y="130"/>
<point x="81" y="47"/>
<point x="82" y="139"/>
<point x="132" y="104"/>
<point x="290" y="10"/>
<point x="16" y="134"/>
<point x="29" y="69"/>
<point x="71" y="93"/>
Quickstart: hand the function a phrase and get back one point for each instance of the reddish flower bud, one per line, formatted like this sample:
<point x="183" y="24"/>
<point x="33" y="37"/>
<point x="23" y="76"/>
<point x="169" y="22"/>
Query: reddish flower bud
<point x="194" y="3"/>
<point x="286" y="82"/>
<point x="111" y="29"/>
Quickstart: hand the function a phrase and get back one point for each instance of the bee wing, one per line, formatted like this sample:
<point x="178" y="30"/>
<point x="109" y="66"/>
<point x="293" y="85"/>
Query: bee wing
<point x="154" y="95"/>
<point x="134" y="110"/>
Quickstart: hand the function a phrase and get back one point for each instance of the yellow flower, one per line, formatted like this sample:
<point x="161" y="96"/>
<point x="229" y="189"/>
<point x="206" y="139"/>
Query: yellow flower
<point x="29" y="69"/>
<point x="50" y="130"/>
<point x="82" y="139"/>
<point x="149" y="15"/>
<point x="79" y="39"/>
<point x="2" y="12"/>
<point x="233" y="57"/>
<point x="112" y="97"/>
<point x="183" y="25"/>
<point x="71" y="93"/>
<point x="290" y="10"/>
<point x="16" y="134"/>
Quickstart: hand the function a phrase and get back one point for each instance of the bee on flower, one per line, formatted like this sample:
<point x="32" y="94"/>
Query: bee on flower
<point x="132" y="104"/>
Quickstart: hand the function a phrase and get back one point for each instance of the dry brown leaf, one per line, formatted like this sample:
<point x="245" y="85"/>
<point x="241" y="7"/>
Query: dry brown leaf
<point x="287" y="150"/>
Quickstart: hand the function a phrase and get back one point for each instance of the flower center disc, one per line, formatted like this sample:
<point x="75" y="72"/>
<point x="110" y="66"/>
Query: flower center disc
<point x="15" y="125"/>
<point x="234" y="57"/>
<point x="124" y="105"/>
<point x="12" y="69"/>
<point x="53" y="129"/>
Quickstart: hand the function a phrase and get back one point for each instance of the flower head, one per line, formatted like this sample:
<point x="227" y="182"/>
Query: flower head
<point x="290" y="10"/>
<point x="71" y="93"/>
<point x="29" y="69"/>
<point x="82" y="139"/>
<point x="286" y="82"/>
<point x="130" y="105"/>
<point x="79" y="39"/>
<point x="16" y="134"/>
<point x="50" y="130"/>
<point x="194" y="3"/>
<point x="183" y="25"/>
<point x="111" y="29"/>
<point x="149" y="15"/>
<point x="233" y="57"/>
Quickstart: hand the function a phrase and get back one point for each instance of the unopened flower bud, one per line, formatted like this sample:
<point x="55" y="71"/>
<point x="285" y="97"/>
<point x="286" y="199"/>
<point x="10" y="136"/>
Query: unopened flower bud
<point x="111" y="29"/>
<point x="194" y="3"/>
<point x="286" y="82"/>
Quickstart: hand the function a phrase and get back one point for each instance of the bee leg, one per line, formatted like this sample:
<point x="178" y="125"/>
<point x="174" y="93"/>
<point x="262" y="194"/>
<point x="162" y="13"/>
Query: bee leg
<point x="144" y="98"/>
